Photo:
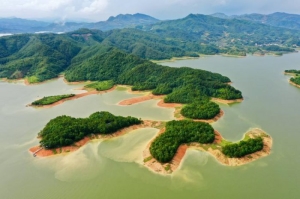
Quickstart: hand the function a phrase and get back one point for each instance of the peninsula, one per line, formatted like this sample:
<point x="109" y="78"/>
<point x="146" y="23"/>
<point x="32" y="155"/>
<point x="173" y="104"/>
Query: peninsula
<point x="295" y="80"/>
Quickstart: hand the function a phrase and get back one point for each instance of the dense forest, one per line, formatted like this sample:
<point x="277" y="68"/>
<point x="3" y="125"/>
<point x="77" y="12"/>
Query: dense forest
<point x="51" y="99"/>
<point x="200" y="110"/>
<point x="165" y="146"/>
<point x="294" y="71"/>
<point x="295" y="80"/>
<point x="65" y="130"/>
<point x="243" y="148"/>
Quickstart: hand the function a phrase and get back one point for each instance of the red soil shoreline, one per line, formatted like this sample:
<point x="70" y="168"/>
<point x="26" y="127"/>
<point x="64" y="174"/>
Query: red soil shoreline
<point x="168" y="168"/>
<point x="77" y="145"/>
<point x="162" y="104"/>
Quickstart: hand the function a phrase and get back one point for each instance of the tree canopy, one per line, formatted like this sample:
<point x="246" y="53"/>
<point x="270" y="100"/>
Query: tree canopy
<point x="65" y="130"/>
<point x="165" y="146"/>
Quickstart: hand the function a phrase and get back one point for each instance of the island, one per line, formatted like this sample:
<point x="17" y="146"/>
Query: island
<point x="66" y="131"/>
<point x="51" y="99"/>
<point x="91" y="88"/>
<point x="295" y="80"/>
<point x="165" y="152"/>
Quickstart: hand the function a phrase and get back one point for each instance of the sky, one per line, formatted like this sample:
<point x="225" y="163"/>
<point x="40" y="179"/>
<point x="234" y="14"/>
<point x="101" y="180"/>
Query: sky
<point x="99" y="10"/>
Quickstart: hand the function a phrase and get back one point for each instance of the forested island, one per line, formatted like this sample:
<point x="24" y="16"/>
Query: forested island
<point x="164" y="154"/>
<point x="65" y="130"/>
<point x="295" y="80"/>
<point x="165" y="146"/>
<point x="51" y="99"/>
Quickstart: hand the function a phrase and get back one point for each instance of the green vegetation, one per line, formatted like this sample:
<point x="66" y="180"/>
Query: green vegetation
<point x="276" y="48"/>
<point x="38" y="57"/>
<point x="184" y="85"/>
<point x="201" y="110"/>
<point x="65" y="130"/>
<point x="243" y="148"/>
<point x="165" y="146"/>
<point x="51" y="99"/>
<point x="148" y="159"/>
<point x="44" y="56"/>
<point x="229" y="36"/>
<point x="295" y="80"/>
<point x="168" y="167"/>
<point x="101" y="86"/>
<point x="294" y="71"/>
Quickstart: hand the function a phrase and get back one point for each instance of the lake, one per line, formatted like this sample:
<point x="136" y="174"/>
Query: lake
<point x="112" y="168"/>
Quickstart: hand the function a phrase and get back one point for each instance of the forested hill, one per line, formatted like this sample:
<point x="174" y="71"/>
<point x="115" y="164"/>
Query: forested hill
<point x="223" y="35"/>
<point x="277" y="19"/>
<point x="152" y="39"/>
<point x="83" y="55"/>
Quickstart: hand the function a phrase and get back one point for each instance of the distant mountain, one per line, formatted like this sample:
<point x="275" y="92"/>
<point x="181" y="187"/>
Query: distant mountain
<point x="119" y="22"/>
<point x="207" y="29"/>
<point x="17" y="25"/>
<point x="127" y="20"/>
<point x="277" y="19"/>
<point x="221" y="15"/>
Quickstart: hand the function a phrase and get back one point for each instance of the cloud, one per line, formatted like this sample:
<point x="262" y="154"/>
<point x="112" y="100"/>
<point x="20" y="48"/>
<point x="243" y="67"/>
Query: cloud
<point x="52" y="8"/>
<point x="97" y="10"/>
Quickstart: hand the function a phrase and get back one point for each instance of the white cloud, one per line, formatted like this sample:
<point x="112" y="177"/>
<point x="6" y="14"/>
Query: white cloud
<point x="52" y="8"/>
<point x="163" y="9"/>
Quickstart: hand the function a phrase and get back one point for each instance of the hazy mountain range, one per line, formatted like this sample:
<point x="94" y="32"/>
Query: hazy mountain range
<point x="16" y="25"/>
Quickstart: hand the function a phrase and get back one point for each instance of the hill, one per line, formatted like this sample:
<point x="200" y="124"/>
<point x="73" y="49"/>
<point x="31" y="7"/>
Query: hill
<point x="219" y="35"/>
<point x="82" y="55"/>
<point x="17" y="25"/>
<point x="277" y="19"/>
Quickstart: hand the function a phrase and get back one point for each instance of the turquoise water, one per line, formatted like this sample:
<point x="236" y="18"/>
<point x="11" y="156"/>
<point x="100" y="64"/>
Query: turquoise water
<point x="112" y="168"/>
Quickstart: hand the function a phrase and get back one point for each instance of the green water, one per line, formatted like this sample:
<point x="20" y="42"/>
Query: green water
<point x="112" y="168"/>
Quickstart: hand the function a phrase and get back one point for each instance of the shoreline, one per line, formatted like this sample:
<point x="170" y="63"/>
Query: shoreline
<point x="68" y="149"/>
<point x="222" y="101"/>
<point x="294" y="84"/>
<point x="213" y="149"/>
<point x="162" y="104"/>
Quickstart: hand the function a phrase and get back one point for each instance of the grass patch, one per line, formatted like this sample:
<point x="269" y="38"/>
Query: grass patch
<point x="121" y="88"/>
<point x="148" y="159"/>
<point x="168" y="167"/>
<point x="225" y="142"/>
<point x="33" y="79"/>
<point x="101" y="86"/>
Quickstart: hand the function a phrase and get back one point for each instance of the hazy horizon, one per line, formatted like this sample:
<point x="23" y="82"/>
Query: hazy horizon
<point x="101" y="10"/>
